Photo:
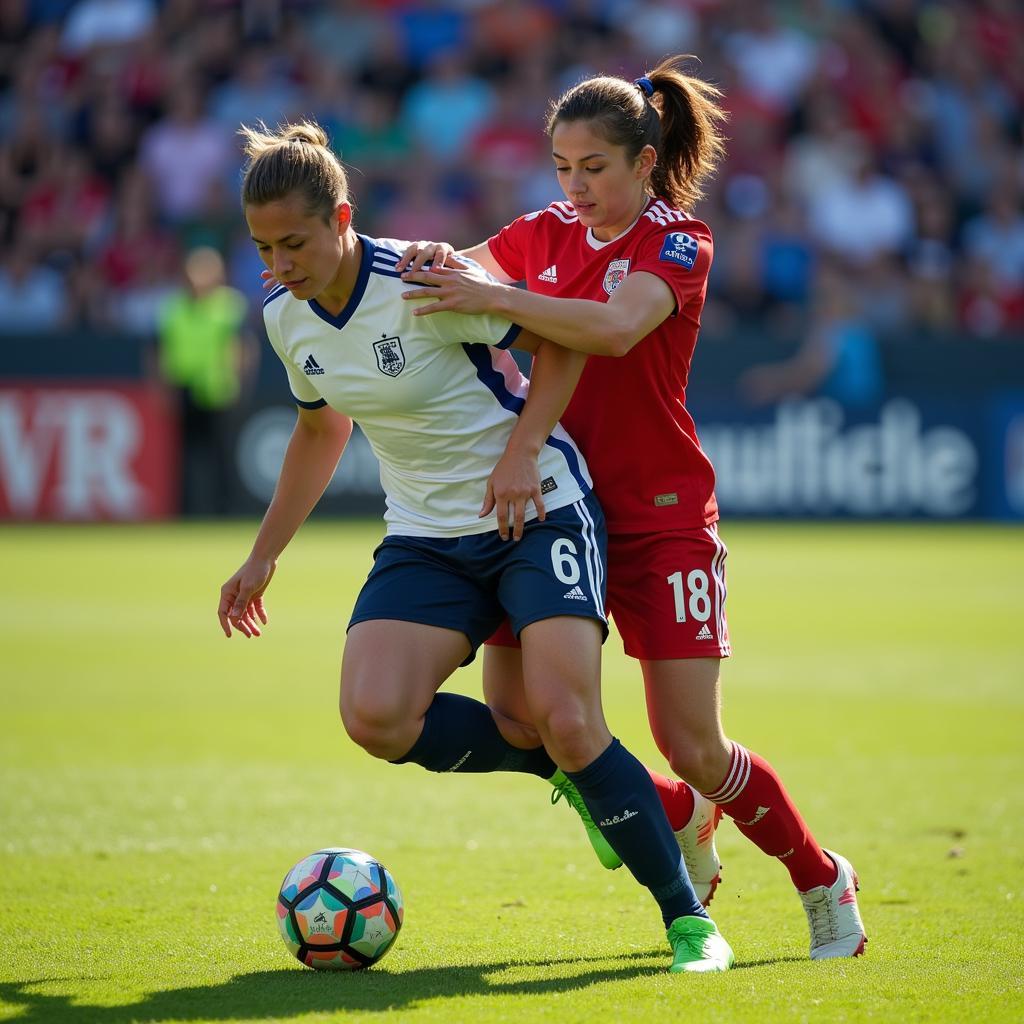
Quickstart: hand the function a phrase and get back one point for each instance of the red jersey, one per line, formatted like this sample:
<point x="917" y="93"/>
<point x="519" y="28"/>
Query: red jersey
<point x="628" y="414"/>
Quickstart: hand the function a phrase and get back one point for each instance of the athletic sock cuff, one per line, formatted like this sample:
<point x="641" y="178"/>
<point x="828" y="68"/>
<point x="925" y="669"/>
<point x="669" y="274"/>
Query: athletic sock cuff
<point x="605" y="764"/>
<point x="735" y="779"/>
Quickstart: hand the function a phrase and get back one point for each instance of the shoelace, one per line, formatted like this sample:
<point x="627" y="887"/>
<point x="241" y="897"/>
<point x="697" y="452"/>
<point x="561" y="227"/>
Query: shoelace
<point x="692" y="940"/>
<point x="820" y="921"/>
<point x="569" y="791"/>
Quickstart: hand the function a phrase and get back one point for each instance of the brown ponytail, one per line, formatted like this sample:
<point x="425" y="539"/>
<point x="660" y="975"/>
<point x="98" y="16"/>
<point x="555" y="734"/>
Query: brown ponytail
<point x="677" y="114"/>
<point x="295" y="158"/>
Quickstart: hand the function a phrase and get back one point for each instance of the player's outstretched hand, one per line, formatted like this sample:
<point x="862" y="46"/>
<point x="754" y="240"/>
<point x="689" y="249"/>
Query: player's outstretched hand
<point x="419" y="254"/>
<point x="268" y="279"/>
<point x="459" y="291"/>
<point x="241" y="598"/>
<point x="513" y="482"/>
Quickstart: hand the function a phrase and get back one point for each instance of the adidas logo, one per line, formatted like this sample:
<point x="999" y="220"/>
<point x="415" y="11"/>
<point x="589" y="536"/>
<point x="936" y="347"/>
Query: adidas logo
<point x="849" y="896"/>
<point x="312" y="368"/>
<point x="551" y="274"/>
<point x="704" y="634"/>
<point x="576" y="594"/>
<point x="758" y="815"/>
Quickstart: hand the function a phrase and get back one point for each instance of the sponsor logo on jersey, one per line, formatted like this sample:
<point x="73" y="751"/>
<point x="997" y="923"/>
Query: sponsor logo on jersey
<point x="312" y="368"/>
<point x="661" y="500"/>
<point x="704" y="633"/>
<point x="576" y="594"/>
<point x="681" y="248"/>
<point x="551" y="274"/>
<point x="547" y="485"/>
<point x="614" y="275"/>
<point x="390" y="357"/>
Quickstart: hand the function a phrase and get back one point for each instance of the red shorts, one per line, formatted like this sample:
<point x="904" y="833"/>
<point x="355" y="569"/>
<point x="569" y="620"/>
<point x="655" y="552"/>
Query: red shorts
<point x="666" y="593"/>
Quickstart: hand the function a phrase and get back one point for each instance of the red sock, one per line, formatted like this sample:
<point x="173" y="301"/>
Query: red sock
<point x="754" y="797"/>
<point x="676" y="797"/>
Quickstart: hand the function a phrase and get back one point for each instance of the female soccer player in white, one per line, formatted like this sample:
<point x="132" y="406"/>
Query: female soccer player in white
<point x="440" y="401"/>
<point x="619" y="271"/>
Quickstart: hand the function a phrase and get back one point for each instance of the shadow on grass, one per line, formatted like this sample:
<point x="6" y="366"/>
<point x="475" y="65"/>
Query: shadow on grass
<point x="291" y="993"/>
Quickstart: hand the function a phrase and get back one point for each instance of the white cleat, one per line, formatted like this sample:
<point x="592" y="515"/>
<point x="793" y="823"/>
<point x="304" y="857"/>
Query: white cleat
<point x="836" y="927"/>
<point x="697" y="842"/>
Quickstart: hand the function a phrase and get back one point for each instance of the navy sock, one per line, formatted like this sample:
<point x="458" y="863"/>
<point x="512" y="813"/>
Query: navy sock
<point x="622" y="799"/>
<point x="460" y="735"/>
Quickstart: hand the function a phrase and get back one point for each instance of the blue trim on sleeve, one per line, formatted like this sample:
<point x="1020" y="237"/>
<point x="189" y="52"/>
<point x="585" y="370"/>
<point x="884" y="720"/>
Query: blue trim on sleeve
<point x="318" y="404"/>
<point x="479" y="356"/>
<point x="275" y="294"/>
<point x="513" y="332"/>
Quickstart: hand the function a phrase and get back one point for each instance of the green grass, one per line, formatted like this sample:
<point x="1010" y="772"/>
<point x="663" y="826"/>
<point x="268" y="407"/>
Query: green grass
<point x="156" y="781"/>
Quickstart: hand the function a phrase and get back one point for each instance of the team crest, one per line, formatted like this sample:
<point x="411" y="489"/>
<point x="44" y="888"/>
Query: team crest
<point x="390" y="357"/>
<point x="614" y="275"/>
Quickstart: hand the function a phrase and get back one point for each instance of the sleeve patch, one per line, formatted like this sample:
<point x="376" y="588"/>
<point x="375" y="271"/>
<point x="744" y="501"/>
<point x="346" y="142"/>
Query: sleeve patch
<point x="679" y="248"/>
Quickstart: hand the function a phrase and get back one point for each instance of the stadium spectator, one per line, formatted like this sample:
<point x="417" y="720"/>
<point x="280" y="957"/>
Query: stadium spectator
<point x="996" y="237"/>
<point x="838" y="357"/>
<point x="259" y="88"/>
<point x="67" y="206"/>
<point x="202" y="355"/>
<point x="32" y="295"/>
<point x="184" y="153"/>
<point x="445" y="110"/>
<point x="774" y="61"/>
<point x="932" y="93"/>
<point x="862" y="216"/>
<point x="93" y="24"/>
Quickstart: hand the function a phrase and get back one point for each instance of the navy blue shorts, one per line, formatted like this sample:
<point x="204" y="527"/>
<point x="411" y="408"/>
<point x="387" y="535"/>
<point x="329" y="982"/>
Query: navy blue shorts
<point x="472" y="583"/>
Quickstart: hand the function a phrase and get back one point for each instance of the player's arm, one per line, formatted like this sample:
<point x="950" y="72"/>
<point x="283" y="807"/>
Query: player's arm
<point x="317" y="443"/>
<point x="516" y="478"/>
<point x="611" y="328"/>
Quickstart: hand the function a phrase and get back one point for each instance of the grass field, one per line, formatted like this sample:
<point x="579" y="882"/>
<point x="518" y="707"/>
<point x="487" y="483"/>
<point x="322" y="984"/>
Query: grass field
<point x="156" y="781"/>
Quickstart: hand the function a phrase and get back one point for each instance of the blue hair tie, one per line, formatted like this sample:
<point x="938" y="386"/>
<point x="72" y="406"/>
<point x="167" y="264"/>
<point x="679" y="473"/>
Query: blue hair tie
<point x="645" y="85"/>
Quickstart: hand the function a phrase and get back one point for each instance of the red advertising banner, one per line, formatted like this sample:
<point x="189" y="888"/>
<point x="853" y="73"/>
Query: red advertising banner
<point x="70" y="452"/>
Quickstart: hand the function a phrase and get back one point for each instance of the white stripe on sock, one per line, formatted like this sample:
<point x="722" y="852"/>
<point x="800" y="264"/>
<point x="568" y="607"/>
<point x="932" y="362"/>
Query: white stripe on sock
<point x="736" y="780"/>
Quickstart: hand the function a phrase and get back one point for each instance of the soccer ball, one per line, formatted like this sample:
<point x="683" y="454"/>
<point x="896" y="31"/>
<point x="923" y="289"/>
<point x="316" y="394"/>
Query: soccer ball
<point x="339" y="910"/>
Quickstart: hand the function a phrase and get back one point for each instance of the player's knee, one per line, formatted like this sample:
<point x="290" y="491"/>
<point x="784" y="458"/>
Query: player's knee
<point x="702" y="764"/>
<point x="570" y="736"/>
<point x="519" y="734"/>
<point x="373" y="722"/>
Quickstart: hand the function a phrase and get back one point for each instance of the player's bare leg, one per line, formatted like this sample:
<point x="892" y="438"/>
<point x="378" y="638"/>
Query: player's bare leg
<point x="390" y="672"/>
<point x="390" y="705"/>
<point x="684" y="708"/>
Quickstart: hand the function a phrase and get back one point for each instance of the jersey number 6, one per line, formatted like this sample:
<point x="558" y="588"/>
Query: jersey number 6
<point x="699" y="600"/>
<point x="567" y="569"/>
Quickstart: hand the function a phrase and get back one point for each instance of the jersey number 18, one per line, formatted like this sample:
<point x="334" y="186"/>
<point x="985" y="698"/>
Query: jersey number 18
<point x="698" y="601"/>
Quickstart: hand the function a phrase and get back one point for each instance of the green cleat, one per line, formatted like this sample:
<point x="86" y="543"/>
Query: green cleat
<point x="697" y="945"/>
<point x="563" y="787"/>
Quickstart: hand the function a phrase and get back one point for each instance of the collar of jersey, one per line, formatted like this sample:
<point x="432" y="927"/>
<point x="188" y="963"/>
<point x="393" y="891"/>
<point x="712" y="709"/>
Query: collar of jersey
<point x="596" y="243"/>
<point x="356" y="297"/>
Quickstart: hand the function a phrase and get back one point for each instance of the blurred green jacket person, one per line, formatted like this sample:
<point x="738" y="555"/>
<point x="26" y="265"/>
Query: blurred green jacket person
<point x="200" y="329"/>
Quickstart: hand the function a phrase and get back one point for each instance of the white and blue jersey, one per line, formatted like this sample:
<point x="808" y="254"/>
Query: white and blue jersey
<point x="436" y="396"/>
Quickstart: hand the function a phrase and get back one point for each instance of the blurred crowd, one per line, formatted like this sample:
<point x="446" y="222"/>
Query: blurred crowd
<point x="875" y="165"/>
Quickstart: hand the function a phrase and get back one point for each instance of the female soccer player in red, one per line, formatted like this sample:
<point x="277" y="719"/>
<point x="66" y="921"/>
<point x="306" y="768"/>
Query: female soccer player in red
<point x="619" y="270"/>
